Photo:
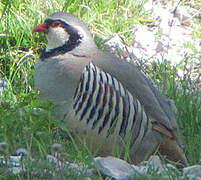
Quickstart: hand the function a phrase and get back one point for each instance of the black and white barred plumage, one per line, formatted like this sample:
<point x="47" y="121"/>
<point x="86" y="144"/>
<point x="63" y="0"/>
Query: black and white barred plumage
<point x="108" y="108"/>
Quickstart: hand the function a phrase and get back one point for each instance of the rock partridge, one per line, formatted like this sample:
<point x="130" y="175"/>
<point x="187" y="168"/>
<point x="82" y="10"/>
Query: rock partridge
<point x="107" y="102"/>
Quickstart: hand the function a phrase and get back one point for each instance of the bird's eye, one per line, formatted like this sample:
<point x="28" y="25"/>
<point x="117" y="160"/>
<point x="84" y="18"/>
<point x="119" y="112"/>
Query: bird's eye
<point x="56" y="24"/>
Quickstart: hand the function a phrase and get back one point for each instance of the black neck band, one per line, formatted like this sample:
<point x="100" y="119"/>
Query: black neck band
<point x="73" y="42"/>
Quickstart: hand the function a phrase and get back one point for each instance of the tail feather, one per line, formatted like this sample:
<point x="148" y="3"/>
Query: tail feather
<point x="170" y="148"/>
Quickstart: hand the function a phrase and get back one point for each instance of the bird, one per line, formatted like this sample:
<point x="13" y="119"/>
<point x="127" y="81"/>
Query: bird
<point x="106" y="102"/>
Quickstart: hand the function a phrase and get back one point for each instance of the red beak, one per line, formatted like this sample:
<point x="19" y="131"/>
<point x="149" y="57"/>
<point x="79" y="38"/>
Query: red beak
<point x="41" y="28"/>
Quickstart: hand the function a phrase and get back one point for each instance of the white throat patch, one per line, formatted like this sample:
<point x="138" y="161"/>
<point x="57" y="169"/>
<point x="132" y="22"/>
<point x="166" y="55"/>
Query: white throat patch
<point x="56" y="37"/>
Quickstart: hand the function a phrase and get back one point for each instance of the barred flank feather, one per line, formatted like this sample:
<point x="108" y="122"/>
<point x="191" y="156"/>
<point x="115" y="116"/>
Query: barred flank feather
<point x="108" y="108"/>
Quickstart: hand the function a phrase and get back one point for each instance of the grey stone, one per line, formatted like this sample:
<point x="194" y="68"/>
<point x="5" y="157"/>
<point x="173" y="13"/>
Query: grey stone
<point x="114" y="167"/>
<point x="193" y="171"/>
<point x="14" y="163"/>
<point x="192" y="177"/>
<point x="155" y="163"/>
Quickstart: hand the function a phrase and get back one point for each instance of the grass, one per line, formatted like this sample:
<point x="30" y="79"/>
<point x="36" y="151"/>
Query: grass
<point x="20" y="126"/>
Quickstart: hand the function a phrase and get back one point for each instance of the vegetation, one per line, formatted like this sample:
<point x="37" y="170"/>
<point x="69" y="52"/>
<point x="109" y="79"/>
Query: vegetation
<point x="22" y="125"/>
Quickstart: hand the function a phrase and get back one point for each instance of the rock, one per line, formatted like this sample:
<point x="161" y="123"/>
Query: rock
<point x="154" y="162"/>
<point x="111" y="167"/>
<point x="14" y="163"/>
<point x="114" y="167"/>
<point x="193" y="172"/>
<point x="145" y="39"/>
<point x="120" y="170"/>
<point x="192" y="177"/>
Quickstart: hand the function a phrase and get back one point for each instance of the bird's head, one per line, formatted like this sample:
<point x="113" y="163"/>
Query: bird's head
<point x="66" y="34"/>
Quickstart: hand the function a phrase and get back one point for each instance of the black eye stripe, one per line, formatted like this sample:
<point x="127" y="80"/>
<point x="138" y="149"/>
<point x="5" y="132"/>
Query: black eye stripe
<point x="50" y="21"/>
